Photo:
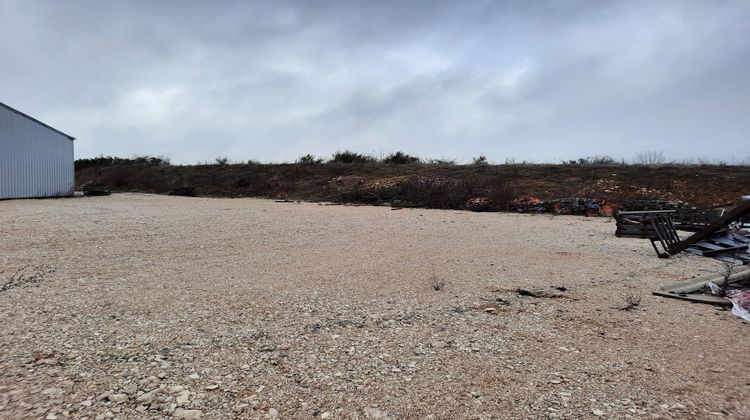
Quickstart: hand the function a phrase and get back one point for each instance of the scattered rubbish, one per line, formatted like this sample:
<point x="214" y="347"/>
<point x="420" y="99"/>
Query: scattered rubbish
<point x="740" y="303"/>
<point x="538" y="293"/>
<point x="96" y="189"/>
<point x="186" y="191"/>
<point x="491" y="309"/>
<point x="737" y="275"/>
<point x="575" y="206"/>
<point x="734" y="283"/>
<point x="479" y="204"/>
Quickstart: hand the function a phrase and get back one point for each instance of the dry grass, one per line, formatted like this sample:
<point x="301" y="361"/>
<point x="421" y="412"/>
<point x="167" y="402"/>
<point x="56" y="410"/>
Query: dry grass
<point x="25" y="276"/>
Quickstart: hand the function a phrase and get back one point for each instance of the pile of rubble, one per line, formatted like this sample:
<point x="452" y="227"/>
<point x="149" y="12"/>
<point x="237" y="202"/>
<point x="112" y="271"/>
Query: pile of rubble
<point x="718" y="232"/>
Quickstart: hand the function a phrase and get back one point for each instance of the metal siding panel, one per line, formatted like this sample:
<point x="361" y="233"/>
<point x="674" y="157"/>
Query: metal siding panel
<point x="35" y="161"/>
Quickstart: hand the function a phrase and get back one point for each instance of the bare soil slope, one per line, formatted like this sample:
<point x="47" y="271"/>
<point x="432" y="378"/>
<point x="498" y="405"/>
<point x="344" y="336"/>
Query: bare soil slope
<point x="434" y="186"/>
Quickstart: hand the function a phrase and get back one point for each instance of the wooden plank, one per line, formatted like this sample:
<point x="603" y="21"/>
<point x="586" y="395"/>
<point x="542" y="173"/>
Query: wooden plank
<point x="644" y="213"/>
<point x="724" y="250"/>
<point x="697" y="298"/>
<point x="727" y="241"/>
<point x="709" y="246"/>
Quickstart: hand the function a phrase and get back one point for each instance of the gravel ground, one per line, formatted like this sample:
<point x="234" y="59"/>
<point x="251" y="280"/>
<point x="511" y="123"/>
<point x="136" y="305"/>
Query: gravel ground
<point x="140" y="306"/>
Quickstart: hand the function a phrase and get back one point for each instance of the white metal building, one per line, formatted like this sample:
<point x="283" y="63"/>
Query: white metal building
<point x="36" y="160"/>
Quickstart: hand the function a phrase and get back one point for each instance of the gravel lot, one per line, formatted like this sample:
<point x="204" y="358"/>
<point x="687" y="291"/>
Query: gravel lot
<point x="140" y="306"/>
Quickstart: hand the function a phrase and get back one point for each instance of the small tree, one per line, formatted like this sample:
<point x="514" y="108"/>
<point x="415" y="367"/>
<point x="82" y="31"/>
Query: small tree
<point x="221" y="160"/>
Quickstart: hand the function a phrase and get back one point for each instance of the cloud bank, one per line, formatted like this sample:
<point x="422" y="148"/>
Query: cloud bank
<point x="537" y="81"/>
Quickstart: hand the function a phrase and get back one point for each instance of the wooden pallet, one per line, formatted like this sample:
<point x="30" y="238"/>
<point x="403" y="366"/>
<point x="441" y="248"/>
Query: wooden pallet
<point x="637" y="224"/>
<point x="665" y="234"/>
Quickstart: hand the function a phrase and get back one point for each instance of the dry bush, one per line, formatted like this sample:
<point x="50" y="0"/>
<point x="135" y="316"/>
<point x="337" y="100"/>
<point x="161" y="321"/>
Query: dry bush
<point x="436" y="282"/>
<point x="631" y="300"/>
<point x="650" y="158"/>
<point x="727" y="274"/>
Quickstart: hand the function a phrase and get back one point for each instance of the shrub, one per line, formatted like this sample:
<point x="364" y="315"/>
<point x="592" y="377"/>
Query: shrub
<point x="309" y="159"/>
<point x="593" y="161"/>
<point x="441" y="162"/>
<point x="350" y="157"/>
<point x="243" y="182"/>
<point x="221" y="160"/>
<point x="436" y="282"/>
<point x="417" y="191"/>
<point x="631" y="300"/>
<point x="479" y="160"/>
<point x="400" y="158"/>
<point x="103" y="161"/>
<point x="650" y="158"/>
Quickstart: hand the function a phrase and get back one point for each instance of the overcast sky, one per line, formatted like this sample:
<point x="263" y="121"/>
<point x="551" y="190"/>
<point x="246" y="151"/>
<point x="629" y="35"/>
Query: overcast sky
<point x="272" y="80"/>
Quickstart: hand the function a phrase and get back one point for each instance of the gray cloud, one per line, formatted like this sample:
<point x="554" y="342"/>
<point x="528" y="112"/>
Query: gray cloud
<point x="540" y="81"/>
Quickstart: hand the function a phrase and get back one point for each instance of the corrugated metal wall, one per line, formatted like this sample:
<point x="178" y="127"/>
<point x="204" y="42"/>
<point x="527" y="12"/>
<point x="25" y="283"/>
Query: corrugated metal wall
<point x="35" y="161"/>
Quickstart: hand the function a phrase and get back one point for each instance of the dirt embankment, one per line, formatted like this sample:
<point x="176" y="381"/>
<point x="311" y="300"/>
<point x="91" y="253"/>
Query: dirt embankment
<point x="431" y="185"/>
